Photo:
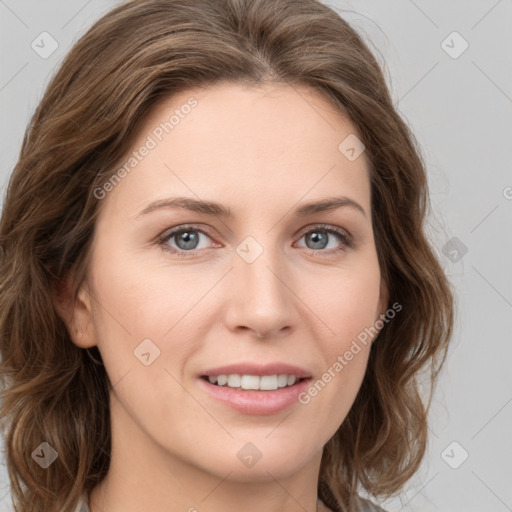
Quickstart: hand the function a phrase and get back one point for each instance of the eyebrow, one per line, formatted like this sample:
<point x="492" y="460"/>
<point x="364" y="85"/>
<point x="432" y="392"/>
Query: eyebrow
<point x="213" y="208"/>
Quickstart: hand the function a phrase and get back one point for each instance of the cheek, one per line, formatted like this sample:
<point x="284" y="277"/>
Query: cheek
<point x="348" y="301"/>
<point x="348" y="305"/>
<point x="135" y="304"/>
<point x="350" y="310"/>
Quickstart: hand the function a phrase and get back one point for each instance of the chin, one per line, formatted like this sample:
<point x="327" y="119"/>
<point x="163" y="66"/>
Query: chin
<point x="260" y="460"/>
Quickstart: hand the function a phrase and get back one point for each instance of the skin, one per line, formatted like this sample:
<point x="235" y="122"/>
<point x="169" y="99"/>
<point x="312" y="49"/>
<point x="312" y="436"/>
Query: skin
<point x="260" y="151"/>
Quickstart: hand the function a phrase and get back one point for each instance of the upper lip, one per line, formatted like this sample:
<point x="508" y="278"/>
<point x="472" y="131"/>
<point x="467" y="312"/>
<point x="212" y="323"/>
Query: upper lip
<point x="258" y="369"/>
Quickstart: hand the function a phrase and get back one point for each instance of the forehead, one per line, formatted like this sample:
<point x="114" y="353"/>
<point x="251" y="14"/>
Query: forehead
<point x="261" y="143"/>
<point x="242" y="111"/>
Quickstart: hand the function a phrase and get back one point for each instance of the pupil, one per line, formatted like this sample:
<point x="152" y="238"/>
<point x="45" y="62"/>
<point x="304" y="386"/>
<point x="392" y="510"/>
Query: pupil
<point x="189" y="238"/>
<point x="316" y="236"/>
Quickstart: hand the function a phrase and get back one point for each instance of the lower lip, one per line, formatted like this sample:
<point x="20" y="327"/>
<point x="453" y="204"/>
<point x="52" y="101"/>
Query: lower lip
<point x="256" y="402"/>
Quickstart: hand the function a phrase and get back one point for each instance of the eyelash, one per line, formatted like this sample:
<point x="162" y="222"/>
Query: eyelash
<point x="346" y="239"/>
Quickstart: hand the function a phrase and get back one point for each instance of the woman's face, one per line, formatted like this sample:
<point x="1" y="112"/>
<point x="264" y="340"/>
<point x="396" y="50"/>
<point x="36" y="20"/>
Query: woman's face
<point x="266" y="290"/>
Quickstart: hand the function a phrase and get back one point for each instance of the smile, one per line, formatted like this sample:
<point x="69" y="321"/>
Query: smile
<point x="255" y="382"/>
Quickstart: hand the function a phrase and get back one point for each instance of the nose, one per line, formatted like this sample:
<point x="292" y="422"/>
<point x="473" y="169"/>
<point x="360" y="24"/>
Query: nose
<point x="260" y="300"/>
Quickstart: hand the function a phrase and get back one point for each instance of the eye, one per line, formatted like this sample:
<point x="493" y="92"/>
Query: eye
<point x="187" y="240"/>
<point x="319" y="237"/>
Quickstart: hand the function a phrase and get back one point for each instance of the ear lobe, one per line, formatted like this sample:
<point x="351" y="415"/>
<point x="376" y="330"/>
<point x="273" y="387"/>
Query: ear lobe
<point x="75" y="312"/>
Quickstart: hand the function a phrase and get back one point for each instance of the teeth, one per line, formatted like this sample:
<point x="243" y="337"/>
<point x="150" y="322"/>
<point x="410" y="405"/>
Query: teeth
<point x="234" y="381"/>
<point x="247" y="382"/>
<point x="268" y="382"/>
<point x="282" y="381"/>
<point x="263" y="383"/>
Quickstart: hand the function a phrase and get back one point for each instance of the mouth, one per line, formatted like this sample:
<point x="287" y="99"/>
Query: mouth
<point x="256" y="388"/>
<point x="255" y="382"/>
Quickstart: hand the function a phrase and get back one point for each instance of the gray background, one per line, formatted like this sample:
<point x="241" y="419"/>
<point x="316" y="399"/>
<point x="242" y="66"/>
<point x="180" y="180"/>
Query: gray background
<point x="459" y="108"/>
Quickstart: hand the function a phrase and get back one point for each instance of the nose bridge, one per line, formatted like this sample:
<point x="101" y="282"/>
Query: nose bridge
<point x="259" y="260"/>
<point x="262" y="299"/>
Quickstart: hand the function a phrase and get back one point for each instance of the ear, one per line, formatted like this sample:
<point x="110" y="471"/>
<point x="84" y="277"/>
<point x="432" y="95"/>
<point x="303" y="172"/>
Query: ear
<point x="76" y="312"/>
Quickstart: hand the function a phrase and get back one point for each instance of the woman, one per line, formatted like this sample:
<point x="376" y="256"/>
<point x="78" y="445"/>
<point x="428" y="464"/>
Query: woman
<point x="216" y="292"/>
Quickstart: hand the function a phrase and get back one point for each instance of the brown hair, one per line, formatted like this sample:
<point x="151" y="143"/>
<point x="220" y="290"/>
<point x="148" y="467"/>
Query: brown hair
<point x="133" y="56"/>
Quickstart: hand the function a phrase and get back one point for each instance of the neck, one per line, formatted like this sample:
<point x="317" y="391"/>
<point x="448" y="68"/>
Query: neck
<point x="225" y="496"/>
<point x="144" y="476"/>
